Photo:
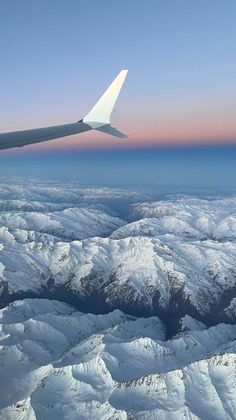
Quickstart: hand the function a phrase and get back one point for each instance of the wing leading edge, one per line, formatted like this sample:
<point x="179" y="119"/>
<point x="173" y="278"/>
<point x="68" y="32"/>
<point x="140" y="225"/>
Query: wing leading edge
<point x="97" y="119"/>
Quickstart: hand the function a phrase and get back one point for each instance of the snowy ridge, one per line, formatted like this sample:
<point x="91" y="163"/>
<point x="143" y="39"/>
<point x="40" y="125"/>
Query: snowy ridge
<point x="184" y="217"/>
<point x="58" y="362"/>
<point x="67" y="224"/>
<point x="178" y="260"/>
<point x="123" y="306"/>
<point x="137" y="273"/>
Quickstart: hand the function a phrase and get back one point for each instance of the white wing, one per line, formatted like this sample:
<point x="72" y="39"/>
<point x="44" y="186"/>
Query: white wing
<point x="98" y="118"/>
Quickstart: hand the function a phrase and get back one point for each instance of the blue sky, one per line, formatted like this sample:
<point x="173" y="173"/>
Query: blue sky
<point x="57" y="57"/>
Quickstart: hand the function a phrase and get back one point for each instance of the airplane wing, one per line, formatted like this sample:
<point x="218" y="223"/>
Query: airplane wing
<point x="97" y="119"/>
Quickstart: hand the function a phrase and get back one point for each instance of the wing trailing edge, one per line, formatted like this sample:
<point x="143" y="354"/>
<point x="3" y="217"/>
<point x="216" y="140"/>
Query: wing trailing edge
<point x="108" y="129"/>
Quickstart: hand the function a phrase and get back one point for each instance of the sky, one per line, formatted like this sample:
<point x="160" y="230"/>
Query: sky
<point x="58" y="57"/>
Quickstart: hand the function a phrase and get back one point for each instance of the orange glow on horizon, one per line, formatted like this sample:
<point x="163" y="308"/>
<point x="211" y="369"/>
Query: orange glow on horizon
<point x="193" y="126"/>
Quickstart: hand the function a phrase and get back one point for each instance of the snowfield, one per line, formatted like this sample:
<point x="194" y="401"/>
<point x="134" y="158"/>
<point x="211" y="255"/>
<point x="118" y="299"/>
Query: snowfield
<point x="116" y="304"/>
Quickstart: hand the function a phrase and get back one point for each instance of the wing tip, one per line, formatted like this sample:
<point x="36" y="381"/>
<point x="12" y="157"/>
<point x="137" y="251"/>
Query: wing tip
<point x="103" y="108"/>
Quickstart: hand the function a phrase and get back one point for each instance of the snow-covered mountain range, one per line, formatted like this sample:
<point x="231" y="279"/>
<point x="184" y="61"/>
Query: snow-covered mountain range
<point x="123" y="303"/>
<point x="60" y="363"/>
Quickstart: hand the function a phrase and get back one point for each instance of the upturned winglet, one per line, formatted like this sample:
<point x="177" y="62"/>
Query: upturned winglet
<point x="99" y="115"/>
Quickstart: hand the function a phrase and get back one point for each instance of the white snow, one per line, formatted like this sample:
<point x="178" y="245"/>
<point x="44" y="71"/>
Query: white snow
<point x="59" y="363"/>
<point x="166" y="257"/>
